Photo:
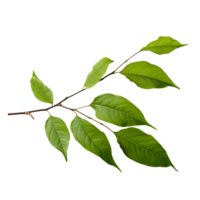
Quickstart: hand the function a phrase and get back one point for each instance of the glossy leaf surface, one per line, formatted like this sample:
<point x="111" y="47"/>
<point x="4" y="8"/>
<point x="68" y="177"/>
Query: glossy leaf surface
<point x="58" y="134"/>
<point x="118" y="110"/>
<point x="163" y="45"/>
<point x="147" y="76"/>
<point x="41" y="92"/>
<point x="99" y="69"/>
<point x="142" y="148"/>
<point x="92" y="139"/>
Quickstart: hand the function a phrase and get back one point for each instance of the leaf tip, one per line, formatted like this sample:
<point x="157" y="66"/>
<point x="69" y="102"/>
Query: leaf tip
<point x="154" y="128"/>
<point x="175" y="168"/>
<point x="187" y="44"/>
<point x="34" y="73"/>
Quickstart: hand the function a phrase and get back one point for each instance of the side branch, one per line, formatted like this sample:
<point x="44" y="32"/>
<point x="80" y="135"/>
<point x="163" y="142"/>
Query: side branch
<point x="86" y="115"/>
<point x="93" y="120"/>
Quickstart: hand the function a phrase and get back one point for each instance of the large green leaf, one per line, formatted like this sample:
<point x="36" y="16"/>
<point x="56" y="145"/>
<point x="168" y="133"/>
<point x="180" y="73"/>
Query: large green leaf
<point x="147" y="76"/>
<point x="99" y="69"/>
<point x="163" y="45"/>
<point x="92" y="139"/>
<point x="118" y="110"/>
<point x="58" y="134"/>
<point x="41" y="92"/>
<point x="142" y="148"/>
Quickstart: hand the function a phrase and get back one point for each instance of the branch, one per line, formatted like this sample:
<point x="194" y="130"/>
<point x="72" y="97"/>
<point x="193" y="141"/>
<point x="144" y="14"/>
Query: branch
<point x="86" y="115"/>
<point x="58" y="104"/>
<point x="45" y="109"/>
<point x="93" y="120"/>
<point x="116" y="69"/>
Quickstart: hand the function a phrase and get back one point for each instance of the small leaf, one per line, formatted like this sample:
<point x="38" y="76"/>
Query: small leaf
<point x="99" y="69"/>
<point x="147" y="76"/>
<point x="58" y="134"/>
<point x="41" y="92"/>
<point x="163" y="45"/>
<point x="142" y="148"/>
<point x="92" y="139"/>
<point x="118" y="110"/>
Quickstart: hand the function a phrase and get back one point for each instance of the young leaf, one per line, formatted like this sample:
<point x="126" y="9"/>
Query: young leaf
<point x="41" y="92"/>
<point x="92" y="139"/>
<point x="58" y="134"/>
<point x="99" y="69"/>
<point x="142" y="148"/>
<point x="118" y="110"/>
<point x="163" y="45"/>
<point x="147" y="76"/>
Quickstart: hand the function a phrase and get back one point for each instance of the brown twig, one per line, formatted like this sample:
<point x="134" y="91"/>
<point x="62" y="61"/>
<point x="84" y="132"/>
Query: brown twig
<point x="31" y="116"/>
<point x="45" y="109"/>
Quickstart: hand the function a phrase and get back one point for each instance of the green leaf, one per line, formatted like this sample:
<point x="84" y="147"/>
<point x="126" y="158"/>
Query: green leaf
<point x="118" y="110"/>
<point x="147" y="76"/>
<point x="99" y="69"/>
<point x="41" y="92"/>
<point x="58" y="134"/>
<point x="142" y="148"/>
<point x="163" y="45"/>
<point x="92" y="139"/>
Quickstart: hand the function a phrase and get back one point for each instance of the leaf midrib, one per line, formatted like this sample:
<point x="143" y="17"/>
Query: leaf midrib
<point x="95" y="143"/>
<point x="163" y="46"/>
<point x="147" y="77"/>
<point x="142" y="147"/>
<point x="118" y="111"/>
